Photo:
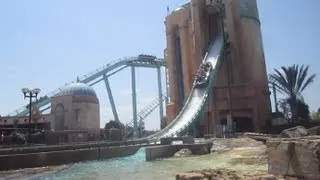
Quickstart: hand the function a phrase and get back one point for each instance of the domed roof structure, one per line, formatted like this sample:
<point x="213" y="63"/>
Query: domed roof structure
<point x="184" y="6"/>
<point x="79" y="89"/>
<point x="178" y="9"/>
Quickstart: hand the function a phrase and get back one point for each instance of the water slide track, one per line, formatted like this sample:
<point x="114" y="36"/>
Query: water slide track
<point x="198" y="95"/>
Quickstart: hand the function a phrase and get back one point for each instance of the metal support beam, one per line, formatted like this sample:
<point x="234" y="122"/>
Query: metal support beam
<point x="45" y="109"/>
<point x="160" y="94"/>
<point x="167" y="100"/>
<point x="97" y="81"/>
<point x="134" y="101"/>
<point x="110" y="74"/>
<point x="113" y="106"/>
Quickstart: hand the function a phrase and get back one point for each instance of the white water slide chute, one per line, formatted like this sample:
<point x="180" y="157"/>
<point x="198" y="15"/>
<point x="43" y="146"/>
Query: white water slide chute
<point x="198" y="95"/>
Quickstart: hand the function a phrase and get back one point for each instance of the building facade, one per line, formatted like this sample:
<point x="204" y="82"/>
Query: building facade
<point x="8" y="124"/>
<point x="241" y="89"/>
<point x="75" y="108"/>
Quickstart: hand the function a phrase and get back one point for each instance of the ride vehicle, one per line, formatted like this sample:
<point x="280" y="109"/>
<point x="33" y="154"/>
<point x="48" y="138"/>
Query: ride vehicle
<point x="146" y="57"/>
<point x="202" y="77"/>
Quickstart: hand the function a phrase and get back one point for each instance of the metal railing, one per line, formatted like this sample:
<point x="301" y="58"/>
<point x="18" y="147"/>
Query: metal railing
<point x="145" y="112"/>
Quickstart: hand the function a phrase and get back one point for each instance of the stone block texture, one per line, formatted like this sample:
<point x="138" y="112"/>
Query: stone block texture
<point x="298" y="157"/>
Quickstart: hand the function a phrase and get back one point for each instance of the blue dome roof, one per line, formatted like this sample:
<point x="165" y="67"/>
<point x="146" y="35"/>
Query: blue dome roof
<point x="79" y="89"/>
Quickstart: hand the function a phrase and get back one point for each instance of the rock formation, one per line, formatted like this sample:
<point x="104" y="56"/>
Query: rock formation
<point x="224" y="174"/>
<point x="298" y="157"/>
<point x="314" y="131"/>
<point x="183" y="152"/>
<point x="298" y="131"/>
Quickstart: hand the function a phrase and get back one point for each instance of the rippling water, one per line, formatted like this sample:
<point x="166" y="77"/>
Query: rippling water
<point x="135" y="167"/>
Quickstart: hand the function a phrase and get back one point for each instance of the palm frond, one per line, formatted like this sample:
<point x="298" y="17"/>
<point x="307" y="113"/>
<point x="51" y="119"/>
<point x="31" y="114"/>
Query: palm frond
<point x="292" y="80"/>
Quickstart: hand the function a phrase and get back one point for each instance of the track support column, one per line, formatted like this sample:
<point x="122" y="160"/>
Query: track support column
<point x="134" y="101"/>
<point x="113" y="106"/>
<point x="160" y="94"/>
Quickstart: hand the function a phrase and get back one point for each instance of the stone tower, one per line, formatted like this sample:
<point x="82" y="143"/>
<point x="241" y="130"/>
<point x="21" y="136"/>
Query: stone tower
<point x="242" y="87"/>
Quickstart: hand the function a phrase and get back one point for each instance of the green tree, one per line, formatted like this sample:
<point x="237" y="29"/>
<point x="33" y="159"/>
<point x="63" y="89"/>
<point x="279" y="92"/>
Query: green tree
<point x="113" y="124"/>
<point x="315" y="116"/>
<point x="291" y="82"/>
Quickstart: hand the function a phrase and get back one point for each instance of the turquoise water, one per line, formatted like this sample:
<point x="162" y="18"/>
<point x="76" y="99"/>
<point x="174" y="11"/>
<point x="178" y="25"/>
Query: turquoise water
<point x="133" y="167"/>
<point x="116" y="168"/>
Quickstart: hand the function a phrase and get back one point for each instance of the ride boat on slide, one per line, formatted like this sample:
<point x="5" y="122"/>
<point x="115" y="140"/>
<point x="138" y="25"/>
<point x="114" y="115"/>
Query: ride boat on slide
<point x="202" y="77"/>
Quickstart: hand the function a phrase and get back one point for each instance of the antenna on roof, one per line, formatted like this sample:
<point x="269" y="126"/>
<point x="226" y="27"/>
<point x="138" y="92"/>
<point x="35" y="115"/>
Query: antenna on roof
<point x="168" y="10"/>
<point x="78" y="80"/>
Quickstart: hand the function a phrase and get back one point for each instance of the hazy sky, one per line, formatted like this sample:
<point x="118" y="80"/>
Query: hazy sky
<point x="46" y="44"/>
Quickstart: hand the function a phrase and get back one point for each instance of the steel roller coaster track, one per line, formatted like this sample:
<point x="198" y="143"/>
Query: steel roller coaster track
<point x="94" y="77"/>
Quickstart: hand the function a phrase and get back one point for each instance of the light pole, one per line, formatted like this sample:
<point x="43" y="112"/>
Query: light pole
<point x="28" y="93"/>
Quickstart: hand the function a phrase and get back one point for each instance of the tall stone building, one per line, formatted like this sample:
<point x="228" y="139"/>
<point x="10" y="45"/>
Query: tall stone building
<point x="75" y="108"/>
<point x="242" y="88"/>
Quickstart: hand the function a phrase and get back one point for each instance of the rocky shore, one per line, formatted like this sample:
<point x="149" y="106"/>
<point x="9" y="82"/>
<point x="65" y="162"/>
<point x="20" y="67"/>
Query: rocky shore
<point x="293" y="154"/>
<point x="241" y="152"/>
<point x="227" y="174"/>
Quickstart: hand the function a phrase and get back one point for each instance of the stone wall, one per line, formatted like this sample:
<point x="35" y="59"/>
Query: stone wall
<point x="69" y="136"/>
<point x="299" y="157"/>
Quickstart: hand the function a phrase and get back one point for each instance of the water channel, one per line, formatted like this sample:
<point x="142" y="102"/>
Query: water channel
<point x="132" y="167"/>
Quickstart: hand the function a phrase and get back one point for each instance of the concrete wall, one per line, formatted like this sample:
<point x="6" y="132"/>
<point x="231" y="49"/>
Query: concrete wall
<point x="66" y="103"/>
<point x="80" y="112"/>
<point x="88" y="117"/>
<point x="31" y="160"/>
<point x="40" y="159"/>
<point x="70" y="146"/>
<point x="165" y="151"/>
<point x="111" y="152"/>
<point x="71" y="136"/>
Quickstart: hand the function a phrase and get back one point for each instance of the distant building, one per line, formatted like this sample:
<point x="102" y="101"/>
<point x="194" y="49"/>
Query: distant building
<point x="75" y="108"/>
<point x="40" y="122"/>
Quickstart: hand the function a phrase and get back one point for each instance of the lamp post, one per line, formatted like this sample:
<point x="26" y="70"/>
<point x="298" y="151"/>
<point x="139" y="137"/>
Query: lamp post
<point x="28" y="93"/>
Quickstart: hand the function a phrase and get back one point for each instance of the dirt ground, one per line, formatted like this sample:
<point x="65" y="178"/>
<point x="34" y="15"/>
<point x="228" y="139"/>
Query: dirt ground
<point x="244" y="152"/>
<point x="227" y="174"/>
<point x="238" y="142"/>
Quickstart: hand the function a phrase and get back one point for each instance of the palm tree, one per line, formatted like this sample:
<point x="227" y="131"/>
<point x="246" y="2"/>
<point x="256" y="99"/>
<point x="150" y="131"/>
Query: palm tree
<point x="291" y="82"/>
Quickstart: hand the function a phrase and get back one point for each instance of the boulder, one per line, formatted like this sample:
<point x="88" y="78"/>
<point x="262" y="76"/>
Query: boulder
<point x="219" y="148"/>
<point x="183" y="152"/>
<point x="298" y="157"/>
<point x="207" y="174"/>
<point x="202" y="150"/>
<point x="212" y="174"/>
<point x="314" y="130"/>
<point x="190" y="176"/>
<point x="298" y="131"/>
<point x="256" y="136"/>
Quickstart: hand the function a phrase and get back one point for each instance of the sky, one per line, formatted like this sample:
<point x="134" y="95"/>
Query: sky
<point x="46" y="44"/>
